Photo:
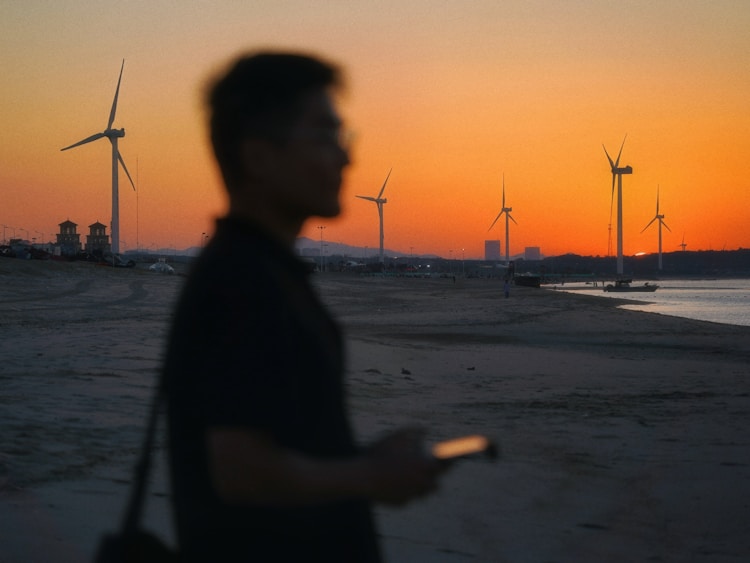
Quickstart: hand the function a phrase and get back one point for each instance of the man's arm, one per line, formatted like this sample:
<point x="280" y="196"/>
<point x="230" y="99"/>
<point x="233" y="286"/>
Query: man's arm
<point x="247" y="466"/>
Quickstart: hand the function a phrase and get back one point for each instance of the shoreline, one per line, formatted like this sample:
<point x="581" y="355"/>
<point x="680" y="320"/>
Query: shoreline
<point x="623" y="433"/>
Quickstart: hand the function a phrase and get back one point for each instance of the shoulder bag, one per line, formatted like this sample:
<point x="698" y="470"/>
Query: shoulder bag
<point x="132" y="544"/>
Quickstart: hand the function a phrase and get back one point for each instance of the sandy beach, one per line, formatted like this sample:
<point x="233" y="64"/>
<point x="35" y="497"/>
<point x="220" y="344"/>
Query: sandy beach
<point x="624" y="435"/>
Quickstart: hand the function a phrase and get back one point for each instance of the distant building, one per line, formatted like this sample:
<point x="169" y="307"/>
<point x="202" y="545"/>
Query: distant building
<point x="532" y="253"/>
<point x="492" y="250"/>
<point x="97" y="241"/>
<point x="68" y="240"/>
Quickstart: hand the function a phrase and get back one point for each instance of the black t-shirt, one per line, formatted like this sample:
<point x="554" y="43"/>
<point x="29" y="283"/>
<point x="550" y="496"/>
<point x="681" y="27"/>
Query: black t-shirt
<point x="252" y="346"/>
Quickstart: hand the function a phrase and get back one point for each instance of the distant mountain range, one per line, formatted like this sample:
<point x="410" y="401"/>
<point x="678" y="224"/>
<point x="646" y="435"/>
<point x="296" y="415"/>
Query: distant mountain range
<point x="309" y="247"/>
<point x="305" y="247"/>
<point x="703" y="262"/>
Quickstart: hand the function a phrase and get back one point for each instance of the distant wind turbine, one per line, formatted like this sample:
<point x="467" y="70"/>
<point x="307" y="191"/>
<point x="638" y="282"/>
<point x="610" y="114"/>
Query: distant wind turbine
<point x="507" y="211"/>
<point x="379" y="201"/>
<point x="682" y="244"/>
<point x="659" y="218"/>
<point x="112" y="135"/>
<point x="617" y="172"/>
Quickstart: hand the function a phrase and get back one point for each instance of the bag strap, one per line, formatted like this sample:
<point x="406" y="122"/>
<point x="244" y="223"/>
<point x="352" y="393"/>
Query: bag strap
<point x="142" y="469"/>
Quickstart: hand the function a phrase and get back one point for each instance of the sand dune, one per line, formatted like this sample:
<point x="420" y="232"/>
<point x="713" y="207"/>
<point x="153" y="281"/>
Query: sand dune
<point x="623" y="434"/>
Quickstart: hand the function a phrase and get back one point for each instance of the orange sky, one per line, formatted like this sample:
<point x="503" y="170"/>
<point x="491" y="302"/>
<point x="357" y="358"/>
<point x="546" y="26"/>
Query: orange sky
<point x="451" y="95"/>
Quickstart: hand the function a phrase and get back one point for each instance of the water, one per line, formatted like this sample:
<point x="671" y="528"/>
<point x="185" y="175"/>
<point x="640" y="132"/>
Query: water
<point x="724" y="301"/>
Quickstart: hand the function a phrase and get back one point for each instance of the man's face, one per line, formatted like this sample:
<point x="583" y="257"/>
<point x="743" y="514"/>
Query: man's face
<point x="306" y="178"/>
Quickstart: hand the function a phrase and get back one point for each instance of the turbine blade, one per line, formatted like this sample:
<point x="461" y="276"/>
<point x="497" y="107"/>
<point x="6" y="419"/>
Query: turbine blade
<point x="609" y="158"/>
<point x="617" y="162"/>
<point x="114" y="102"/>
<point x="649" y="224"/>
<point x="495" y="221"/>
<point x="384" y="183"/>
<point x="663" y="223"/>
<point x="367" y="197"/>
<point x="657" y="199"/>
<point x="86" y="140"/>
<point x="512" y="219"/>
<point x="503" y="190"/>
<point x="125" y="168"/>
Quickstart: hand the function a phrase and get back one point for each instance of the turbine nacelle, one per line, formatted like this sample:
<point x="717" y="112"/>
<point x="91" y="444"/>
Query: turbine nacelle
<point x="111" y="133"/>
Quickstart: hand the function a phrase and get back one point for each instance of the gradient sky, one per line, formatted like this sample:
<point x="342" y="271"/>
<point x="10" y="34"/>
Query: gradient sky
<point x="450" y="94"/>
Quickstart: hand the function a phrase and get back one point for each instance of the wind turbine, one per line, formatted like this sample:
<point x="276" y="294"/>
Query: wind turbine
<point x="507" y="211"/>
<point x="682" y="244"/>
<point x="112" y="135"/>
<point x="659" y="218"/>
<point x="379" y="201"/>
<point x="617" y="172"/>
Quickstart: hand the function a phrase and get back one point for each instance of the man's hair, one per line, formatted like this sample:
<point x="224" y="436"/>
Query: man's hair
<point x="260" y="97"/>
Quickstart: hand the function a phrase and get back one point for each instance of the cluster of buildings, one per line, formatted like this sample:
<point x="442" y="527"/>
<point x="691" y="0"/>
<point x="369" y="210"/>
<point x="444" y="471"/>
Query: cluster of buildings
<point x="69" y="241"/>
<point x="492" y="251"/>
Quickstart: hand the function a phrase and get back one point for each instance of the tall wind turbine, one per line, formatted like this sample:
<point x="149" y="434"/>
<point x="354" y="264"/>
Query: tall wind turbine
<point x="617" y="172"/>
<point x="112" y="135"/>
<point x="379" y="201"/>
<point x="682" y="244"/>
<point x="659" y="218"/>
<point x="507" y="211"/>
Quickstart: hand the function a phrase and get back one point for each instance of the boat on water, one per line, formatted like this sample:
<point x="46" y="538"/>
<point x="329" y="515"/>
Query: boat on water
<point x="624" y="286"/>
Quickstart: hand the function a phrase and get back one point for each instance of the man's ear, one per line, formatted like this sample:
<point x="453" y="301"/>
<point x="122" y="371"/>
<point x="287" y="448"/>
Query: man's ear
<point x="259" y="159"/>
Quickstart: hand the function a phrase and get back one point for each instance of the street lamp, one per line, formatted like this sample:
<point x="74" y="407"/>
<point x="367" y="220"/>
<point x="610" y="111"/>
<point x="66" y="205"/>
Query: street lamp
<point x="321" y="227"/>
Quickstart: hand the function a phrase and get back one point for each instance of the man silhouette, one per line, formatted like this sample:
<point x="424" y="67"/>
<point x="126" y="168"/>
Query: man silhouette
<point x="264" y="465"/>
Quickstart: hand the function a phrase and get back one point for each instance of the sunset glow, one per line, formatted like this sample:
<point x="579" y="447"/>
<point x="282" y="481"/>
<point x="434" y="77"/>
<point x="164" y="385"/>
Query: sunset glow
<point x="450" y="95"/>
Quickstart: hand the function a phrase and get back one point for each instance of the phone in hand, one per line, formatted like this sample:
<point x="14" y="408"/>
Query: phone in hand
<point x="465" y="446"/>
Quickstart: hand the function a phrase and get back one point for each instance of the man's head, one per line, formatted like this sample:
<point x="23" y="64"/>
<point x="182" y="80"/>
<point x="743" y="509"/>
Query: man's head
<point x="275" y="133"/>
<point x="261" y="97"/>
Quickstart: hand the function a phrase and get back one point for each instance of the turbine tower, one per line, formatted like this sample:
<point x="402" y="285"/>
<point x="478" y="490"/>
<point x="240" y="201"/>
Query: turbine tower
<point x="507" y="211"/>
<point x="617" y="172"/>
<point x="379" y="201"/>
<point x="112" y="135"/>
<point x="659" y="218"/>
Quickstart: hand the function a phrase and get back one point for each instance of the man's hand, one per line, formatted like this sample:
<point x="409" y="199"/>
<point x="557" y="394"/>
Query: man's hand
<point x="401" y="469"/>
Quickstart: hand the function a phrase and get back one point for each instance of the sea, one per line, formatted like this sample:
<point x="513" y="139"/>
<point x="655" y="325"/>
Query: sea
<point x="725" y="301"/>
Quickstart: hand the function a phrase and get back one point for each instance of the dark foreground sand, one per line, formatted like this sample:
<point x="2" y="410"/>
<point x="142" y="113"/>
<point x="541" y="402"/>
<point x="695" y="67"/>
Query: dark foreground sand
<point x="624" y="435"/>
